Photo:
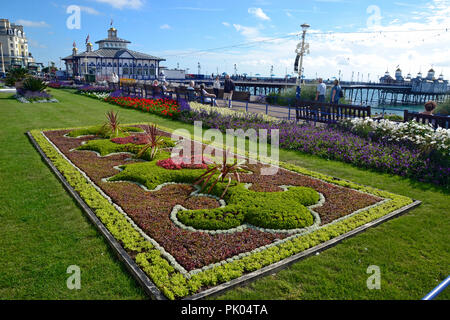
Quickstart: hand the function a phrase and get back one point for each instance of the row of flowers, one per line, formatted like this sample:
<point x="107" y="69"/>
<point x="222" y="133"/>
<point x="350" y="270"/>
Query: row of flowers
<point x="64" y="85"/>
<point x="421" y="135"/>
<point x="95" y="95"/>
<point x="163" y="107"/>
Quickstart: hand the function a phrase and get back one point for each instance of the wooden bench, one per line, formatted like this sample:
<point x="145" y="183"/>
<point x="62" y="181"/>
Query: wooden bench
<point x="237" y="95"/>
<point x="328" y="112"/>
<point x="435" y="120"/>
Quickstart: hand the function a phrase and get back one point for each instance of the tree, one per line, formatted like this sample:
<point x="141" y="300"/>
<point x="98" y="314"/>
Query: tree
<point x="15" y="75"/>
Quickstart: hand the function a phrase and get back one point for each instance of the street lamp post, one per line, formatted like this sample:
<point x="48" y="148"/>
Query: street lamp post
<point x="302" y="49"/>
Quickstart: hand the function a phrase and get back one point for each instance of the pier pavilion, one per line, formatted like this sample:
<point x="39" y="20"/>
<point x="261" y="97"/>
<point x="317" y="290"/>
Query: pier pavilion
<point x="112" y="56"/>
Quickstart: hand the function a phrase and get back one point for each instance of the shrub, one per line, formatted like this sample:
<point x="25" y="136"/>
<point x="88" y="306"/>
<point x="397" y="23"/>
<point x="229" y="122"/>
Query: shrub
<point x="308" y="93"/>
<point x="273" y="210"/>
<point x="34" y="85"/>
<point x="443" y="108"/>
<point x="15" y="75"/>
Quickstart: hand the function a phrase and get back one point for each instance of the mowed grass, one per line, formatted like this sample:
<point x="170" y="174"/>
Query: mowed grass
<point x="43" y="231"/>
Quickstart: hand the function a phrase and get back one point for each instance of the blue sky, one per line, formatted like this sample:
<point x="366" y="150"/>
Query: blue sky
<point x="179" y="30"/>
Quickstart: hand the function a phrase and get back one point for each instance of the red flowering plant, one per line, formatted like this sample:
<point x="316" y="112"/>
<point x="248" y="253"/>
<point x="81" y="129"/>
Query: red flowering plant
<point x="165" y="107"/>
<point x="179" y="163"/>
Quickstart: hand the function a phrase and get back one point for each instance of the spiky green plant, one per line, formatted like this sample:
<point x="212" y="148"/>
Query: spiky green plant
<point x="155" y="142"/>
<point x="112" y="127"/>
<point x="219" y="173"/>
<point x="34" y="84"/>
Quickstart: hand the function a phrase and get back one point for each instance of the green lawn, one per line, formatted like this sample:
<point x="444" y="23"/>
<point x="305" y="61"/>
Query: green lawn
<point x="43" y="231"/>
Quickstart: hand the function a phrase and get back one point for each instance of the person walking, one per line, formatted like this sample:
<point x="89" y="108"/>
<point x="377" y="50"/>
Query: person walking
<point x="228" y="91"/>
<point x="336" y="93"/>
<point x="216" y="87"/>
<point x="321" y="91"/>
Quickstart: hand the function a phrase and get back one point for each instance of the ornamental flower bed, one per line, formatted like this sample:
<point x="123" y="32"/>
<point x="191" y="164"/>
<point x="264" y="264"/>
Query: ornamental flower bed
<point x="163" y="107"/>
<point x="395" y="157"/>
<point x="26" y="96"/>
<point x="64" y="85"/>
<point x="186" y="241"/>
<point x="95" y="95"/>
<point x="93" y="88"/>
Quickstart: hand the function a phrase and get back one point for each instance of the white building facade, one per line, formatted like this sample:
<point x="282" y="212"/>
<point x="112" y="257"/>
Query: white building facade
<point x="112" y="56"/>
<point x="14" y="46"/>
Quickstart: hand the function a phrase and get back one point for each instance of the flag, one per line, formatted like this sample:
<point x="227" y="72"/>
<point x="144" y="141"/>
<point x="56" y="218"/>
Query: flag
<point x="74" y="44"/>
<point x="112" y="22"/>
<point x="87" y="39"/>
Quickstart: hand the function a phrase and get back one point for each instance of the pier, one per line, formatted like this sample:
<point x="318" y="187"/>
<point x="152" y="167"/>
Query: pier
<point x="360" y="93"/>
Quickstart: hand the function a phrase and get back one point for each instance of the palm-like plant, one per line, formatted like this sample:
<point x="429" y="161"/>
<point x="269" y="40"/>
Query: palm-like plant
<point x="224" y="171"/>
<point x="155" y="142"/>
<point x="34" y="85"/>
<point x="112" y="126"/>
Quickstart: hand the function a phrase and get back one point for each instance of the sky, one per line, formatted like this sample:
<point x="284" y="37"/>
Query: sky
<point x="346" y="37"/>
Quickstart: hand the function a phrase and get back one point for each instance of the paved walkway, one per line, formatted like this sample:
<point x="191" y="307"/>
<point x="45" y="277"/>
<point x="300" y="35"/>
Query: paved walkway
<point x="252" y="107"/>
<point x="8" y="90"/>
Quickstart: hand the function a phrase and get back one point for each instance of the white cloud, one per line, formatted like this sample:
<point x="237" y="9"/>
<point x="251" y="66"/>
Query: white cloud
<point x="165" y="27"/>
<point x="401" y="44"/>
<point x="259" y="13"/>
<point x="32" y="24"/>
<point x="89" y="10"/>
<point x="226" y="24"/>
<point x="121" y="4"/>
<point x="248" y="32"/>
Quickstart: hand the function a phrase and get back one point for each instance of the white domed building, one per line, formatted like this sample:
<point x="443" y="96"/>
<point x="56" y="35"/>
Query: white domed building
<point x="112" y="56"/>
<point x="430" y="84"/>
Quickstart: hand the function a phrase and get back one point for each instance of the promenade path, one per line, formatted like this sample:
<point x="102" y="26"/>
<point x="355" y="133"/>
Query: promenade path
<point x="271" y="110"/>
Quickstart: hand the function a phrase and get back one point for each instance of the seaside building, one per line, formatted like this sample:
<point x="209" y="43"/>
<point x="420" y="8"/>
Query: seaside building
<point x="112" y="56"/>
<point x="387" y="78"/>
<point x="14" y="45"/>
<point x="430" y="84"/>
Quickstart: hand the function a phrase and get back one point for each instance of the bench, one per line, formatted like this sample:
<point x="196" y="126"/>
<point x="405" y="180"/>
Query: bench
<point x="328" y="113"/>
<point x="435" y="120"/>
